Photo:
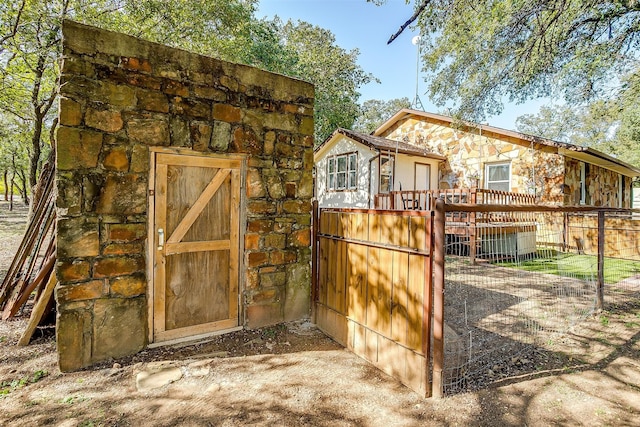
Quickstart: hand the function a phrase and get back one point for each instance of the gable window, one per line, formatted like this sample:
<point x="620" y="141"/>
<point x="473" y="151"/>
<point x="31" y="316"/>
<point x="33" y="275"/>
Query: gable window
<point x="386" y="172"/>
<point x="342" y="172"/>
<point x="498" y="176"/>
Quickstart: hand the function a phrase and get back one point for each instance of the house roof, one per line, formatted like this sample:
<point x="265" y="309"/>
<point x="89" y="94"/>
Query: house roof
<point x="585" y="154"/>
<point x="379" y="143"/>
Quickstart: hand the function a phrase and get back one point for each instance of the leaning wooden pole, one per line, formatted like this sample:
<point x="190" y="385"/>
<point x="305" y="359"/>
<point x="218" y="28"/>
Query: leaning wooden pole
<point x="28" y="240"/>
<point x="600" y="287"/>
<point x="39" y="310"/>
<point x="438" y="299"/>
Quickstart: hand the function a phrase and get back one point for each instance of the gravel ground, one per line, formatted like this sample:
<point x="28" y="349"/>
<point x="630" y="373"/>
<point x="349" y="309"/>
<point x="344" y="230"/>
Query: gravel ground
<point x="293" y="375"/>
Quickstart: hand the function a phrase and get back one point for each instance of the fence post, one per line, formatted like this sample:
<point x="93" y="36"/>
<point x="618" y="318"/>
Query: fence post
<point x="438" y="298"/>
<point x="315" y="223"/>
<point x="473" y="239"/>
<point x="565" y="232"/>
<point x="427" y="302"/>
<point x="600" y="287"/>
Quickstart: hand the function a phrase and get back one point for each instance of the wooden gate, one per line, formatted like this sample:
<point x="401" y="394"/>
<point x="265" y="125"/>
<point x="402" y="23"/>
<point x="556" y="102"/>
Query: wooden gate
<point x="373" y="272"/>
<point x="196" y="229"/>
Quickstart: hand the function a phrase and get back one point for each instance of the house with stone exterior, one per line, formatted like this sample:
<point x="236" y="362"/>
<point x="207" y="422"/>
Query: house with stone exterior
<point x="351" y="167"/>
<point x="495" y="159"/>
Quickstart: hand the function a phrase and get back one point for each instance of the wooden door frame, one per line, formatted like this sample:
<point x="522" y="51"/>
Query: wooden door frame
<point x="151" y="206"/>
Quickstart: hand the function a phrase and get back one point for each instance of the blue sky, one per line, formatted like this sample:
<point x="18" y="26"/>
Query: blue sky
<point x="362" y="25"/>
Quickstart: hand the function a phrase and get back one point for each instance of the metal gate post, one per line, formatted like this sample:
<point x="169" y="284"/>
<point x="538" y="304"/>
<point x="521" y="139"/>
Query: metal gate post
<point x="315" y="258"/>
<point x="438" y="298"/>
<point x="600" y="286"/>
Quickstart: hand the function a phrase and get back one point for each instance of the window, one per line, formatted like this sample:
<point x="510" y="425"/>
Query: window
<point x="386" y="173"/>
<point x="498" y="176"/>
<point x="342" y="172"/>
<point x="620" y="191"/>
<point x="352" y="182"/>
<point x="331" y="173"/>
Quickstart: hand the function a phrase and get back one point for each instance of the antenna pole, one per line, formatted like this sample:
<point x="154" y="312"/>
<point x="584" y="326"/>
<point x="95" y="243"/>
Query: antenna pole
<point x="417" y="103"/>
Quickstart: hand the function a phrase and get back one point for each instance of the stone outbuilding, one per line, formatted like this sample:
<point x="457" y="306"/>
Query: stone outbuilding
<point x="184" y="188"/>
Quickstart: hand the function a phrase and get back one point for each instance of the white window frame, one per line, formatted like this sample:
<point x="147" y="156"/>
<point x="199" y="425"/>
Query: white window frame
<point x="488" y="183"/>
<point x="390" y="175"/>
<point x="620" y="191"/>
<point x="346" y="179"/>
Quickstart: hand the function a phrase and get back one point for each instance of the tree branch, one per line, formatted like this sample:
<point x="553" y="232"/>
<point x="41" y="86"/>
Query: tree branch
<point x="14" y="29"/>
<point x="415" y="16"/>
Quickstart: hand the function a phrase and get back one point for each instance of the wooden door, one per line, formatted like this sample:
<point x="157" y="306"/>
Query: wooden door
<point x="422" y="176"/>
<point x="196" y="227"/>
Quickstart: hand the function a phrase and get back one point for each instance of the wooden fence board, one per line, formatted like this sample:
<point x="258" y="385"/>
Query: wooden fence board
<point x="341" y="289"/>
<point x="386" y="281"/>
<point x="388" y="231"/>
<point x="323" y="271"/>
<point x="371" y="288"/>
<point x="417" y="378"/>
<point x="357" y="282"/>
<point x="359" y="338"/>
<point x="399" y="313"/>
<point x="415" y="289"/>
<point x="417" y="238"/>
<point x="371" y="346"/>
<point x="373" y="274"/>
<point x="374" y="228"/>
<point x="360" y="226"/>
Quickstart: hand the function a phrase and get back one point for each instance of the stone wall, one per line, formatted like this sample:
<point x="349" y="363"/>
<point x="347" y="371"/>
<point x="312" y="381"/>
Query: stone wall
<point x="602" y="186"/>
<point x="121" y="95"/>
<point x="533" y="171"/>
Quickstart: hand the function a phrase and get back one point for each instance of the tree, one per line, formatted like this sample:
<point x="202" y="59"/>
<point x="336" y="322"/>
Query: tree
<point x="586" y="126"/>
<point x="217" y="27"/>
<point x="28" y="54"/>
<point x="374" y="112"/>
<point x="478" y="53"/>
<point x="603" y="125"/>
<point x="228" y="29"/>
<point x="334" y="72"/>
<point x="626" y="144"/>
<point x="14" y="157"/>
<point x="30" y="45"/>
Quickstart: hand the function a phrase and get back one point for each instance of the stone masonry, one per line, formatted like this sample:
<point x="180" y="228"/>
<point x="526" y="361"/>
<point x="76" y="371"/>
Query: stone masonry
<point x="601" y="185"/>
<point x="535" y="168"/>
<point x="532" y="171"/>
<point x="120" y="96"/>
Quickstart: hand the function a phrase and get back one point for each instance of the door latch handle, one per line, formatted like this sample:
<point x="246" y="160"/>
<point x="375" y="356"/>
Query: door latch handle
<point x="160" y="239"/>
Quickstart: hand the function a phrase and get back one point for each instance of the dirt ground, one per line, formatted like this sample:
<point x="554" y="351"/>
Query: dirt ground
<point x="294" y="375"/>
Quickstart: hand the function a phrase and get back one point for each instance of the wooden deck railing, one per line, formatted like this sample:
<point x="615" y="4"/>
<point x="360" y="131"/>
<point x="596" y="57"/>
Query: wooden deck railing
<point x="422" y="199"/>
